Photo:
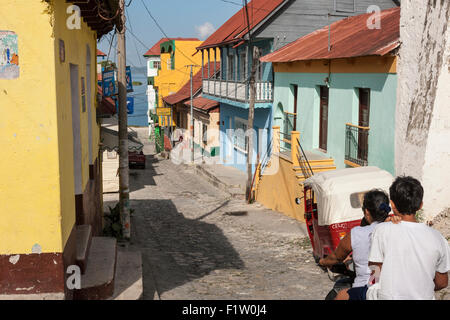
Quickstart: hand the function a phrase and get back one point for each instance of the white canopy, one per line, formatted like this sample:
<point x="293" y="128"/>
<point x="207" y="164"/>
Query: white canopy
<point x="339" y="192"/>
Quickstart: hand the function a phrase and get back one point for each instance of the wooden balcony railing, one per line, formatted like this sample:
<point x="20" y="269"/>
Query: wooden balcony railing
<point x="238" y="91"/>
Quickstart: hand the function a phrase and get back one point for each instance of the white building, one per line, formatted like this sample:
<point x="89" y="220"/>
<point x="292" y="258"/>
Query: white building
<point x="153" y="57"/>
<point x="423" y="113"/>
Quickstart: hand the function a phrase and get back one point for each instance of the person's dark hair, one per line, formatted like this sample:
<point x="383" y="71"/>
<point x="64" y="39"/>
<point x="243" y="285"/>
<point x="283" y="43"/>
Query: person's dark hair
<point x="377" y="203"/>
<point x="407" y="194"/>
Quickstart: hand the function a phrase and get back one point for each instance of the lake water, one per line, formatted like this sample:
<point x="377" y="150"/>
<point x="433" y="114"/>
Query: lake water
<point x="139" y="118"/>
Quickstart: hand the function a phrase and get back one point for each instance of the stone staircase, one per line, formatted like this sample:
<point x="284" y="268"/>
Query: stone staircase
<point x="107" y="270"/>
<point x="317" y="165"/>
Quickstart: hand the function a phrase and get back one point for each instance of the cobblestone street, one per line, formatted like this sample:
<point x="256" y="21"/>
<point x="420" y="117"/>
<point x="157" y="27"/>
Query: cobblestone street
<point x="199" y="243"/>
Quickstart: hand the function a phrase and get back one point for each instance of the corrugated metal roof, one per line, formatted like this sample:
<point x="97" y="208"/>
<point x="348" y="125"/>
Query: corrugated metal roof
<point x="100" y="53"/>
<point x="107" y="105"/>
<point x="350" y="37"/>
<point x="185" y="91"/>
<point x="205" y="104"/>
<point x="235" y="28"/>
<point x="156" y="49"/>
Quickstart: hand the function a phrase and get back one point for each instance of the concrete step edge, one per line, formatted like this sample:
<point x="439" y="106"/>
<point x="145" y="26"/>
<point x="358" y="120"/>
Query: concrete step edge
<point x="84" y="238"/>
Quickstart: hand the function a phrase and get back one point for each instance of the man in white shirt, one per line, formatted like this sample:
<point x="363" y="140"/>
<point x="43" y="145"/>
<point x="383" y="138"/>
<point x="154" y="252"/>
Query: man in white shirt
<point x="414" y="259"/>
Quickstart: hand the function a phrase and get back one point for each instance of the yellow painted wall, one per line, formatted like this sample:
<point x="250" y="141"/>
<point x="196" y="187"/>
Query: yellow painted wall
<point x="282" y="197"/>
<point x="370" y="64"/>
<point x="36" y="185"/>
<point x="29" y="168"/>
<point x="76" y="42"/>
<point x="170" y="81"/>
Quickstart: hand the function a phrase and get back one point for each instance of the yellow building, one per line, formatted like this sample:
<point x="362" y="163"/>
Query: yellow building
<point x="50" y="177"/>
<point x="176" y="54"/>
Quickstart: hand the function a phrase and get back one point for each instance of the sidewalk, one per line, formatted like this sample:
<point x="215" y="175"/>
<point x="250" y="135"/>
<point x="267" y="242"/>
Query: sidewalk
<point x="226" y="178"/>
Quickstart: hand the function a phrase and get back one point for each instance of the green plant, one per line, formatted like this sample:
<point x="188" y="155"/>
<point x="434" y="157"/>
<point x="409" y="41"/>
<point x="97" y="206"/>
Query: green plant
<point x="420" y="216"/>
<point x="113" y="223"/>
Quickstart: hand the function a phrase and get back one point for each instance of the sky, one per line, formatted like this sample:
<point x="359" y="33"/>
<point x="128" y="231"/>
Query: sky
<point x="177" y="18"/>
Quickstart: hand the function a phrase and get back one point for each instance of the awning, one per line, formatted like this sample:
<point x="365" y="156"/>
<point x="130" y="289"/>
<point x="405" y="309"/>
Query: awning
<point x="110" y="141"/>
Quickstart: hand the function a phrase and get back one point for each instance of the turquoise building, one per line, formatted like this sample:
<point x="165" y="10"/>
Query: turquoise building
<point x="341" y="95"/>
<point x="268" y="26"/>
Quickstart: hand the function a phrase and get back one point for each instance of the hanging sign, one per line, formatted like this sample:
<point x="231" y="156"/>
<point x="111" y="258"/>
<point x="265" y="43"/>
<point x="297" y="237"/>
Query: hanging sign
<point x="130" y="105"/>
<point x="163" y="111"/>
<point x="108" y="83"/>
<point x="129" y="80"/>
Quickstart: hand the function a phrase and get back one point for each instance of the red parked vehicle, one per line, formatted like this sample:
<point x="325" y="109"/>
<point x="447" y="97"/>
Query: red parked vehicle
<point x="136" y="159"/>
<point x="333" y="203"/>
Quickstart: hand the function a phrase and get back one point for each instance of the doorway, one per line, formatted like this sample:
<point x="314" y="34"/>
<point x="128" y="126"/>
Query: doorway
<point x="75" y="101"/>
<point x="363" y="123"/>
<point x="323" y="118"/>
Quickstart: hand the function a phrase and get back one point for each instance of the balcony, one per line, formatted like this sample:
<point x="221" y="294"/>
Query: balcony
<point x="238" y="91"/>
<point x="356" y="145"/>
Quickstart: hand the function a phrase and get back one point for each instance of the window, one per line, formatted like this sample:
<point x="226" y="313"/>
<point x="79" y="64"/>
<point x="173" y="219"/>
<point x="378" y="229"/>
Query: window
<point x="345" y="6"/>
<point x="240" y="127"/>
<point x="83" y="95"/>
<point x="230" y="73"/>
<point x="243" y="66"/>
<point x="323" y="118"/>
<point x="259" y="66"/>
<point x="157" y="65"/>
<point x="169" y="64"/>
<point x="205" y="133"/>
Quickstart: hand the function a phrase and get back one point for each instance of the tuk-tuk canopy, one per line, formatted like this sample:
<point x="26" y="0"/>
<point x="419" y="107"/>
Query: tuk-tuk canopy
<point x="339" y="193"/>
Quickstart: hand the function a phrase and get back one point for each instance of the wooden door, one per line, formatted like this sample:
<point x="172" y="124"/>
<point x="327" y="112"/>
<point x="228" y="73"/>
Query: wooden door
<point x="323" y="125"/>
<point x="363" y="121"/>
<point x="295" y="107"/>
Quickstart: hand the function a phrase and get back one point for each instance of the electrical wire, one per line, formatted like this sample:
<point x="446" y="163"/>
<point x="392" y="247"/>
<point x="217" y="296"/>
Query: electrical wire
<point x="164" y="33"/>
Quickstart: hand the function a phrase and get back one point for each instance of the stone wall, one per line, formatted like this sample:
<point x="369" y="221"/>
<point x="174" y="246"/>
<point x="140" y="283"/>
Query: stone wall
<point x="423" y="113"/>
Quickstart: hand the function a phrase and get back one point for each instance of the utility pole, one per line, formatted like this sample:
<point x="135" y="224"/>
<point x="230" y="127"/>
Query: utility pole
<point x="251" y="117"/>
<point x="192" y="116"/>
<point x="124" y="191"/>
<point x="251" y="109"/>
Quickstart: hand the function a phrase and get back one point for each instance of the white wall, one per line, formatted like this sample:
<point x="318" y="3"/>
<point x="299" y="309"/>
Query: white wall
<point x="423" y="100"/>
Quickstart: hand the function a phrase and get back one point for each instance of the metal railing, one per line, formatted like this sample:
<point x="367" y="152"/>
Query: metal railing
<point x="285" y="142"/>
<point x="357" y="144"/>
<point x="238" y="90"/>
<point x="303" y="162"/>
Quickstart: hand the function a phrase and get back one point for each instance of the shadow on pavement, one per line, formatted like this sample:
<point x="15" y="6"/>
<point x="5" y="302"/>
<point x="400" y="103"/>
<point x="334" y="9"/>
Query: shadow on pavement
<point x="176" y="250"/>
<point x="144" y="177"/>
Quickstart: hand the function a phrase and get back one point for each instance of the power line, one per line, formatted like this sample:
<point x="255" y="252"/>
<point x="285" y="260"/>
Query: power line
<point x="162" y="31"/>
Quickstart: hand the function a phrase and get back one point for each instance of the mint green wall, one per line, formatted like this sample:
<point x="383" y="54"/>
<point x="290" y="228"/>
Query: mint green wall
<point x="343" y="108"/>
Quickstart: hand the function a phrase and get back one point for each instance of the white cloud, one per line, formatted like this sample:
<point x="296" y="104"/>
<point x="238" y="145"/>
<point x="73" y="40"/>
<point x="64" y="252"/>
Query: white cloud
<point x="205" y="30"/>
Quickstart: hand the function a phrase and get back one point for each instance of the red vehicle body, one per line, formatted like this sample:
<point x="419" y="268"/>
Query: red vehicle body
<point x="136" y="159"/>
<point x="324" y="239"/>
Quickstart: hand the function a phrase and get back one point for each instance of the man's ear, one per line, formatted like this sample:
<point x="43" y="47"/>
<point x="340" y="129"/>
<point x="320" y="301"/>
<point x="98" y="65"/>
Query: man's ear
<point x="421" y="205"/>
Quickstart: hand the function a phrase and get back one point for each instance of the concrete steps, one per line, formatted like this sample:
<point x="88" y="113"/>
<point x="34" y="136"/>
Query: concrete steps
<point x="98" y="281"/>
<point x="316" y="166"/>
<point x="84" y="237"/>
<point x="225" y="178"/>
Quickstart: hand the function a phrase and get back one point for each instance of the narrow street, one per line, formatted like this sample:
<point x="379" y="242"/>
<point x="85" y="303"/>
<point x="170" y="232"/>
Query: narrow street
<point x="199" y="243"/>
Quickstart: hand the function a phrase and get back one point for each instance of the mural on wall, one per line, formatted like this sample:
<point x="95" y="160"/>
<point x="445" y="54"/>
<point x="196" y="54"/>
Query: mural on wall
<point x="9" y="55"/>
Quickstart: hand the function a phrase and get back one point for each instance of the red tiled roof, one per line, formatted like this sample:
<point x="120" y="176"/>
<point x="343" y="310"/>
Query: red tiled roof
<point x="235" y="28"/>
<point x="350" y="37"/>
<point x="185" y="92"/>
<point x="156" y="49"/>
<point x="204" y="104"/>
<point x="107" y="105"/>
<point x="100" y="53"/>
